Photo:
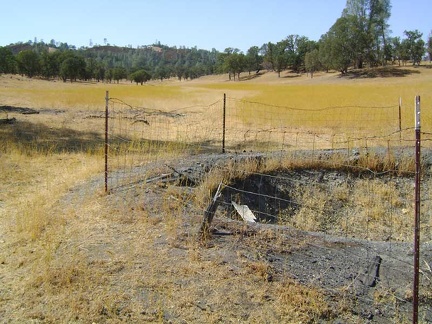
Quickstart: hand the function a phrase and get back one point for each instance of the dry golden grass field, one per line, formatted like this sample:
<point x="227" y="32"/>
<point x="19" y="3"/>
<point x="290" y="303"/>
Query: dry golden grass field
<point x="69" y="253"/>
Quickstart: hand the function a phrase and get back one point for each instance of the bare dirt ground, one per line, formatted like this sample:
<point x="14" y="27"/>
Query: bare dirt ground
<point x="135" y="256"/>
<point x="373" y="277"/>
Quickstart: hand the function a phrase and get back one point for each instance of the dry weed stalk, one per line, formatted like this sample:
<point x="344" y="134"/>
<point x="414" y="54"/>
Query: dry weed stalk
<point x="365" y="204"/>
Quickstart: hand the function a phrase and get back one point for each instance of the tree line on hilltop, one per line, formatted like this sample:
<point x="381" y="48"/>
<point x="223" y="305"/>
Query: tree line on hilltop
<point x="359" y="38"/>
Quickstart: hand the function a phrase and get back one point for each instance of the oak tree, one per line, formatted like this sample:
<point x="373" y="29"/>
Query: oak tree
<point x="415" y="45"/>
<point x="28" y="63"/>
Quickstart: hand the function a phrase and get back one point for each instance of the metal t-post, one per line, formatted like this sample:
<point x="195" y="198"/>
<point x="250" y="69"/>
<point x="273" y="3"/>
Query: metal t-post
<point x="417" y="213"/>
<point x="224" y="123"/>
<point x="106" y="140"/>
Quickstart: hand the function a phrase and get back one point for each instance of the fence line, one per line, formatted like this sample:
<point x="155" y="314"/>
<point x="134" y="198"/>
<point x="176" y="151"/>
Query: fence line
<point x="355" y="286"/>
<point x="359" y="202"/>
<point x="236" y="125"/>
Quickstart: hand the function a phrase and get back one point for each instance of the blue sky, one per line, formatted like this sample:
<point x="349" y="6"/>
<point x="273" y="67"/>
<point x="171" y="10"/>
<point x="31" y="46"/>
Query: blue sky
<point x="206" y="24"/>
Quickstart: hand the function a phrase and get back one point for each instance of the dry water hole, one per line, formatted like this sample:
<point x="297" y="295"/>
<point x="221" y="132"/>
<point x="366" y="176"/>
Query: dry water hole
<point x="332" y="222"/>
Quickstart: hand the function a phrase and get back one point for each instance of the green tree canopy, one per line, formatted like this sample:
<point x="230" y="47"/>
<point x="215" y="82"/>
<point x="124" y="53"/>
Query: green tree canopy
<point x="118" y="74"/>
<point x="140" y="76"/>
<point x="50" y="64"/>
<point x="312" y="62"/>
<point x="232" y="61"/>
<point x="277" y="55"/>
<point x="397" y="50"/>
<point x="368" y="28"/>
<point x="236" y="64"/>
<point x="298" y="46"/>
<point x="253" y="59"/>
<point x="337" y="47"/>
<point x="7" y="61"/>
<point x="180" y="70"/>
<point x="28" y="63"/>
<point x="415" y="45"/>
<point x="72" y="67"/>
<point x="161" y="72"/>
<point x="429" y="47"/>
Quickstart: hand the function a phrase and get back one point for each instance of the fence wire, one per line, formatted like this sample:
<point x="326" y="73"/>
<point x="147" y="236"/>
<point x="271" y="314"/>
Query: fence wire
<point x="138" y="134"/>
<point x="361" y="204"/>
<point x="370" y="203"/>
<point x="273" y="127"/>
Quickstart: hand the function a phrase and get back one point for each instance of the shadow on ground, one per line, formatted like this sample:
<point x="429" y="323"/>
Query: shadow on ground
<point x="19" y="110"/>
<point x="36" y="136"/>
<point x="291" y="76"/>
<point x="385" y="72"/>
<point x="251" y="76"/>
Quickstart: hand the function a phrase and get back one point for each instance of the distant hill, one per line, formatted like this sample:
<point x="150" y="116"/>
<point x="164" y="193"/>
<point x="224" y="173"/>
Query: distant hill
<point x="110" y="62"/>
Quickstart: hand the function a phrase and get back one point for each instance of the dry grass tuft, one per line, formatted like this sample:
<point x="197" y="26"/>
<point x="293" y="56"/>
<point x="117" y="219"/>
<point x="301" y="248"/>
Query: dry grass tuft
<point x="291" y="297"/>
<point x="372" y="202"/>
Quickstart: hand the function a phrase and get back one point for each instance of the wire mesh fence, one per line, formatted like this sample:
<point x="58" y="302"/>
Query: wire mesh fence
<point x="286" y="128"/>
<point x="373" y="212"/>
<point x="137" y="134"/>
<point x="363" y="192"/>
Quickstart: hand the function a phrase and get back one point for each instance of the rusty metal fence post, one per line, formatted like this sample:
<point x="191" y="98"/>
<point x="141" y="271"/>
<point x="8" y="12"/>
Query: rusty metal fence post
<point x="106" y="140"/>
<point x="400" y="120"/>
<point x="417" y="212"/>
<point x="224" y="123"/>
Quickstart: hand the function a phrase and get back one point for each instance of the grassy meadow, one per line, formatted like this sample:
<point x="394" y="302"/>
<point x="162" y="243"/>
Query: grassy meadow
<point x="313" y="96"/>
<point x="53" y="210"/>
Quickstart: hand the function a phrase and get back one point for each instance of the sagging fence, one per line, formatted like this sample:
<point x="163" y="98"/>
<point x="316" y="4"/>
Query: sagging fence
<point x="135" y="134"/>
<point x="366" y="204"/>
